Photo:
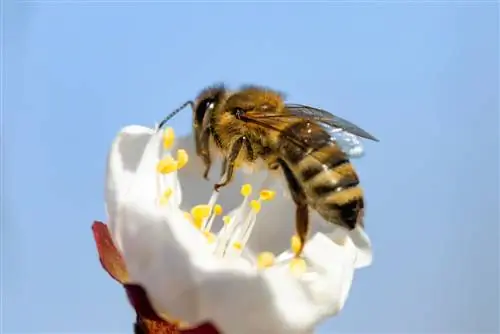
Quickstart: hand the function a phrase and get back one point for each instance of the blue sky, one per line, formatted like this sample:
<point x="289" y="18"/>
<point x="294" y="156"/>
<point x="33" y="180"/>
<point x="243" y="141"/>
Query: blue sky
<point x="423" y="77"/>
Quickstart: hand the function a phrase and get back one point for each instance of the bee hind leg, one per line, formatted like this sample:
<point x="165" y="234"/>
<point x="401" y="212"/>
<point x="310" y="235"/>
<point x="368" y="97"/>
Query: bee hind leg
<point x="302" y="208"/>
<point x="228" y="164"/>
<point x="301" y="225"/>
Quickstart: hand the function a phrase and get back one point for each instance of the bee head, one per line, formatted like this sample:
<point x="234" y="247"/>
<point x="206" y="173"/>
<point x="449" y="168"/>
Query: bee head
<point x="206" y="102"/>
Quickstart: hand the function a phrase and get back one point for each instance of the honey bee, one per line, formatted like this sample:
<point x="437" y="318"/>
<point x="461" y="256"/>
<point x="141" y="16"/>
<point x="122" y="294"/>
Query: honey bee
<point x="256" y="123"/>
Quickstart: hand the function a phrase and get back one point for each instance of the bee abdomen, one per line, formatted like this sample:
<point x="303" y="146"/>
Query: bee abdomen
<point x="348" y="212"/>
<point x="323" y="189"/>
<point x="311" y="170"/>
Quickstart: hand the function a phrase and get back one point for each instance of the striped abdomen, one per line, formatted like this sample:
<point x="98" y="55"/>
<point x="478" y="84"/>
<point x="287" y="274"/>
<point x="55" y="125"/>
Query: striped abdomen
<point x="326" y="175"/>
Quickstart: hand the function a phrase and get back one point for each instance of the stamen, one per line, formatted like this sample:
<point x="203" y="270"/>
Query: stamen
<point x="295" y="244"/>
<point x="246" y="190"/>
<point x="167" y="165"/>
<point x="267" y="195"/>
<point x="197" y="223"/>
<point x="168" y="138"/>
<point x="207" y="223"/>
<point x="255" y="206"/>
<point x="238" y="228"/>
<point x="265" y="260"/>
<point x="182" y="158"/>
<point x="218" y="210"/>
<point x="200" y="211"/>
<point x="166" y="196"/>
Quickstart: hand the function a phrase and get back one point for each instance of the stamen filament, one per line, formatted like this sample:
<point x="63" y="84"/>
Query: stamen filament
<point x="207" y="224"/>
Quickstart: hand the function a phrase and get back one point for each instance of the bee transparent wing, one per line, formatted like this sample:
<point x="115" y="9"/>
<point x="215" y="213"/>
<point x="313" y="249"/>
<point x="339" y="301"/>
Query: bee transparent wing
<point x="328" y="120"/>
<point x="349" y="143"/>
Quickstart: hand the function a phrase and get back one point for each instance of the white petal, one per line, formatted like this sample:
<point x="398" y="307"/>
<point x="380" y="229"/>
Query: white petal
<point x="123" y="160"/>
<point x="169" y="258"/>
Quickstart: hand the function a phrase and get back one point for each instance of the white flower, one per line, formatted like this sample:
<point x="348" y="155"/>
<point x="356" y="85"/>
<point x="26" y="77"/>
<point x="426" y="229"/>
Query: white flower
<point x="230" y="278"/>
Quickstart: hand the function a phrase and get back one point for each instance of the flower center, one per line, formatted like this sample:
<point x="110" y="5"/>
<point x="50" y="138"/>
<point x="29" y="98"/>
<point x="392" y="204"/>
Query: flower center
<point x="232" y="238"/>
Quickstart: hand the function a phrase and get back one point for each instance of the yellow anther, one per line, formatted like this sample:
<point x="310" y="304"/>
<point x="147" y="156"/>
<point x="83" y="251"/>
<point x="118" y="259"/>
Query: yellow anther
<point x="265" y="260"/>
<point x="168" y="138"/>
<point x="165" y="197"/>
<point x="246" y="190"/>
<point x="267" y="195"/>
<point x="295" y="244"/>
<point x="168" y="193"/>
<point x="167" y="165"/>
<point x="210" y="237"/>
<point x="197" y="223"/>
<point x="218" y="209"/>
<point x="237" y="245"/>
<point x="298" y="265"/>
<point x="255" y="206"/>
<point x="200" y="211"/>
<point x="226" y="219"/>
<point x="182" y="158"/>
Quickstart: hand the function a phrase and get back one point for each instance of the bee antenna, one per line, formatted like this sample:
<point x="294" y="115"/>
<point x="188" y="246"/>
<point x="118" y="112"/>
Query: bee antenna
<point x="175" y="112"/>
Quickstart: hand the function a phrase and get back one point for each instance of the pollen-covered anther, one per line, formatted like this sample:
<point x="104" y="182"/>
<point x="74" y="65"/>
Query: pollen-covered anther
<point x="255" y="205"/>
<point x="267" y="195"/>
<point x="298" y="266"/>
<point x="166" y="196"/>
<point x="218" y="209"/>
<point x="182" y="158"/>
<point x="198" y="223"/>
<point x="168" y="138"/>
<point x="246" y="190"/>
<point x="237" y="245"/>
<point x="226" y="220"/>
<point x="167" y="165"/>
<point x="265" y="260"/>
<point x="295" y="244"/>
<point x="199" y="214"/>
<point x="200" y="211"/>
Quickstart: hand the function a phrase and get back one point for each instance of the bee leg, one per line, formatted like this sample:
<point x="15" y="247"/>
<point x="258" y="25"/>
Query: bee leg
<point x="228" y="164"/>
<point x="302" y="225"/>
<point x="224" y="167"/>
<point x="202" y="148"/>
<point x="302" y="208"/>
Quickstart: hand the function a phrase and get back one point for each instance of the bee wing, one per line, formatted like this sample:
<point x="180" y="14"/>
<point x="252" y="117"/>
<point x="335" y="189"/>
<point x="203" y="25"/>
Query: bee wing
<point x="348" y="142"/>
<point x="328" y="120"/>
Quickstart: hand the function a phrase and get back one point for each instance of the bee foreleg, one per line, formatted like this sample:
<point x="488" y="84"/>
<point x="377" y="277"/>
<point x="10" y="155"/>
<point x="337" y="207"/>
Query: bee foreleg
<point x="224" y="167"/>
<point x="228" y="164"/>
<point x="203" y="150"/>
<point x="302" y="208"/>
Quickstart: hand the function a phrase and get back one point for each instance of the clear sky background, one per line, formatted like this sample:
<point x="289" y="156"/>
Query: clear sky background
<point x="423" y="77"/>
